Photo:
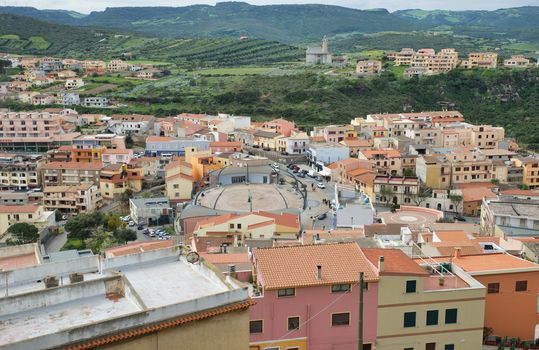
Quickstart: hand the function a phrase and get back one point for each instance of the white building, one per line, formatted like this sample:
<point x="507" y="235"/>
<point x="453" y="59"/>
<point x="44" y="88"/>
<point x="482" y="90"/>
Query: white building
<point x="130" y="124"/>
<point x="95" y="102"/>
<point x="318" y="54"/>
<point x="295" y="144"/>
<point x="74" y="83"/>
<point x="150" y="211"/>
<point x="320" y="154"/>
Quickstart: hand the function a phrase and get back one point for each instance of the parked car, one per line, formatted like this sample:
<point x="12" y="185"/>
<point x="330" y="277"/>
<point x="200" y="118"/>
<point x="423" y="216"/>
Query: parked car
<point x="322" y="216"/>
<point x="146" y="231"/>
<point x="320" y="185"/>
<point x="131" y="223"/>
<point x="140" y="227"/>
<point x="302" y="175"/>
<point x="460" y="218"/>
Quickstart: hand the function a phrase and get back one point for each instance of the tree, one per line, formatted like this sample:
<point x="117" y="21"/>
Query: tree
<point x="456" y="200"/>
<point x="409" y="172"/>
<point x="82" y="225"/>
<point x="126" y="196"/>
<point x="125" y="235"/>
<point x="114" y="222"/>
<point x="22" y="233"/>
<point x="422" y="194"/>
<point x="57" y="215"/>
<point x="386" y="192"/>
<point x="129" y="141"/>
<point x="100" y="240"/>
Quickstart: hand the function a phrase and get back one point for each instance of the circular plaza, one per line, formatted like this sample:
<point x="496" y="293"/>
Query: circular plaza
<point x="411" y="216"/>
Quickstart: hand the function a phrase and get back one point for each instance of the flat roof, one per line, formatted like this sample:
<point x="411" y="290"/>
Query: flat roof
<point x="491" y="263"/>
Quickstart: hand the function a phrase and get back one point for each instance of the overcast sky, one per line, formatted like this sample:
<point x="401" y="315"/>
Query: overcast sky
<point x="87" y="6"/>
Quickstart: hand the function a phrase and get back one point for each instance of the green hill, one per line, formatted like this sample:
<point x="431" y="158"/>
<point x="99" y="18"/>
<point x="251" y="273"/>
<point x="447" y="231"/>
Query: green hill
<point x="26" y="35"/>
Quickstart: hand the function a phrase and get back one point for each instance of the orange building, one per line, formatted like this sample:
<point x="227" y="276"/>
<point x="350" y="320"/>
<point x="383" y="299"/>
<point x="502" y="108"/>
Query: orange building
<point x="512" y="291"/>
<point x="86" y="155"/>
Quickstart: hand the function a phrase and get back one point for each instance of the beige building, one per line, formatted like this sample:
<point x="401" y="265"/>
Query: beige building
<point x="435" y="62"/>
<point x="426" y="305"/>
<point x="179" y="181"/>
<point x="117" y="66"/>
<point x="69" y="173"/>
<point x="516" y="61"/>
<point x="404" y="57"/>
<point x="115" y="179"/>
<point x="395" y="190"/>
<point x="368" y="67"/>
<point x="30" y="124"/>
<point x="20" y="173"/>
<point x="530" y="174"/>
<point x="480" y="60"/>
<point x="83" y="198"/>
<point x="28" y="213"/>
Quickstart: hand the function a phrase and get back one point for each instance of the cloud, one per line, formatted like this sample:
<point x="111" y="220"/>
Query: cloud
<point x="87" y="6"/>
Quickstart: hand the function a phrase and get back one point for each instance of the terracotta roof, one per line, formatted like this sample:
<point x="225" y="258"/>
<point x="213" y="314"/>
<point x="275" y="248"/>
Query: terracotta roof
<point x="117" y="151"/>
<point x="452" y="236"/>
<point x="228" y="258"/>
<point x="178" y="176"/>
<point x="477" y="194"/>
<point x="359" y="171"/>
<point x="466" y="247"/>
<point x="14" y="209"/>
<point x="389" y="153"/>
<point x="137" y="247"/>
<point x="282" y="219"/>
<point x="296" y="266"/>
<point x="517" y="192"/>
<point x="18" y="262"/>
<point x="158" y="139"/>
<point x="357" y="143"/>
<point x="396" y="262"/>
<point x="73" y="165"/>
<point x="500" y="262"/>
<point x="333" y="166"/>
<point x="226" y="144"/>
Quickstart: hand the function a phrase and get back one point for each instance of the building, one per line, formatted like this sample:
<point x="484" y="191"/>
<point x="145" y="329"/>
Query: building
<point x="426" y="305"/>
<point x="19" y="173"/>
<point x="77" y="199"/>
<point x="368" y="67"/>
<point x="530" y="173"/>
<point x="511" y="282"/>
<point x="117" y="156"/>
<point x="280" y="126"/>
<point x="318" y="54"/>
<point x="267" y="140"/>
<point x="179" y="181"/>
<point x="387" y="161"/>
<point x="510" y="217"/>
<point x="32" y="214"/>
<point x="480" y="60"/>
<point x="295" y="144"/>
<point x="96" y="305"/>
<point x="163" y="145"/>
<point x="396" y="190"/>
<point x="516" y="61"/>
<point x="123" y="124"/>
<point x="115" y="179"/>
<point x="151" y="211"/>
<point x="117" y="66"/>
<point x="323" y="153"/>
<point x="259" y="225"/>
<point x="226" y="146"/>
<point x="69" y="173"/>
<point x="31" y="124"/>
<point x="43" y="99"/>
<point x="74" y="83"/>
<point x="404" y="57"/>
<point x="435" y="63"/>
<point x="95" y="102"/>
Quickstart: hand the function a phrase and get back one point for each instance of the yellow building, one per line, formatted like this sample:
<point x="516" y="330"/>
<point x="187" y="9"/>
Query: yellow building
<point x="179" y="181"/>
<point x="115" y="179"/>
<point x="29" y="213"/>
<point x="266" y="139"/>
<point x="421" y="308"/>
<point x="87" y="155"/>
<point x="202" y="162"/>
<point x="530" y="171"/>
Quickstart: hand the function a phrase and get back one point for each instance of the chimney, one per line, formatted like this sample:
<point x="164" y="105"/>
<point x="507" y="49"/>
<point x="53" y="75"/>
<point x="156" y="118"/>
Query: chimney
<point x="232" y="270"/>
<point x="381" y="264"/>
<point x="317" y="237"/>
<point x="457" y="253"/>
<point x="319" y="272"/>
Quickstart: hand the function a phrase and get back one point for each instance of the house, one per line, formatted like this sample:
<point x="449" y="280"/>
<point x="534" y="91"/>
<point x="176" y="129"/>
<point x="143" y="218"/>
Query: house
<point x="280" y="126"/>
<point x="266" y="140"/>
<point x="43" y="99"/>
<point x="530" y="166"/>
<point x="510" y="281"/>
<point x="82" y="198"/>
<point x="396" y="190"/>
<point x="259" y="225"/>
<point x="323" y="153"/>
<point x="116" y="179"/>
<point x="368" y="67"/>
<point x="123" y="124"/>
<point x="163" y="145"/>
<point x="117" y="66"/>
<point x="151" y="211"/>
<point x="294" y="144"/>
<point x="516" y="61"/>
<point x="414" y="72"/>
<point x="318" y="54"/>
<point x="74" y="83"/>
<point x="473" y="195"/>
<point x="116" y="156"/>
<point x="28" y="213"/>
<point x="480" y="60"/>
<point x="69" y="99"/>
<point x="226" y="146"/>
<point x="179" y="181"/>
<point x="292" y="284"/>
<point x="148" y="74"/>
<point x="355" y="145"/>
<point x="95" y="102"/>
<point x="426" y="305"/>
<point x="66" y="74"/>
<point x="387" y="161"/>
<point x="510" y="217"/>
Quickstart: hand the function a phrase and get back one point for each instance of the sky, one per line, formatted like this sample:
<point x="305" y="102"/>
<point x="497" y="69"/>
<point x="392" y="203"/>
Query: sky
<point x="86" y="6"/>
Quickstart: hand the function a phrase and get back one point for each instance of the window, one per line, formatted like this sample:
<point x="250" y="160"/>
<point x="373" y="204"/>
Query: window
<point x="338" y="288"/>
<point x="449" y="347"/>
<point x="410" y="286"/>
<point x="408" y="348"/>
<point x="450" y="316"/>
<point x="255" y="326"/>
<point x="493" y="288"/>
<point x="273" y="348"/>
<point x="430" y="346"/>
<point x="239" y="225"/>
<point x="231" y="225"/>
<point x="286" y="292"/>
<point x="409" y="319"/>
<point x="521" y="286"/>
<point x="293" y="323"/>
<point x="340" y="319"/>
<point x="432" y="317"/>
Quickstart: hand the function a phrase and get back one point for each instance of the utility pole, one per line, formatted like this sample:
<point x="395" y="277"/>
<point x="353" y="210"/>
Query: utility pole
<point x="360" y="316"/>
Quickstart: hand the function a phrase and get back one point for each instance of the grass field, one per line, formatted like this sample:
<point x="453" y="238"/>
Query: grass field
<point x="234" y="71"/>
<point x="397" y="70"/>
<point x="37" y="42"/>
<point x="155" y="63"/>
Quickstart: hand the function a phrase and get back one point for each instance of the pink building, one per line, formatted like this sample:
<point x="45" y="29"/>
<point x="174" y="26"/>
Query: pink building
<point x="281" y="126"/>
<point x="307" y="297"/>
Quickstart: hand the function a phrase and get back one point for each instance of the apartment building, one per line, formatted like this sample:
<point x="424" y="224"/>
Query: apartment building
<point x="530" y="173"/>
<point x="226" y="146"/>
<point x="19" y="173"/>
<point x="29" y="213"/>
<point x="486" y="136"/>
<point x="295" y="144"/>
<point x="74" y="83"/>
<point x="122" y="124"/>
<point x="254" y="225"/>
<point x="292" y="284"/>
<point x="512" y="288"/>
<point x="151" y="211"/>
<point x="31" y="124"/>
<point x="395" y="190"/>
<point x="388" y="161"/>
<point x="280" y="126"/>
<point x="90" y="148"/>
<point x="179" y="180"/>
<point x="510" y="217"/>
<point x="368" y="67"/>
<point x="117" y="66"/>
<point x="266" y="140"/>
<point x="115" y="179"/>
<point x="435" y="63"/>
<point x="426" y="305"/>
<point x="82" y="198"/>
<point x="480" y="60"/>
<point x="320" y="154"/>
<point x="69" y="173"/>
<point x="116" y="156"/>
<point x="516" y="61"/>
<point x="404" y="57"/>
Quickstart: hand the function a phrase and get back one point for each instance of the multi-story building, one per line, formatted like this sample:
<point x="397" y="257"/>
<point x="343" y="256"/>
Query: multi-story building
<point x="396" y="190"/>
<point x="151" y="211"/>
<point x="281" y="126"/>
<point x="323" y="153"/>
<point x="510" y="281"/>
<point x="19" y="173"/>
<point x="95" y="102"/>
<point x="74" y="83"/>
<point x="28" y="213"/>
<point x="480" y="60"/>
<point x="486" y="136"/>
<point x="516" y="61"/>
<point x="530" y="172"/>
<point x="163" y="145"/>
<point x="31" y="124"/>
<point x="179" y="180"/>
<point x="388" y="161"/>
<point x="266" y="140"/>
<point x="368" y="67"/>
<point x="117" y="156"/>
<point x="295" y="144"/>
<point x="307" y="298"/>
<point x="117" y="66"/>
<point x="83" y="198"/>
<point x="115" y="179"/>
<point x="426" y="305"/>
<point x="404" y="57"/>
<point x="130" y="124"/>
<point x="254" y="225"/>
<point x="435" y="63"/>
<point x="69" y="173"/>
<point x="335" y="133"/>
<point x="510" y="217"/>
<point x="226" y="146"/>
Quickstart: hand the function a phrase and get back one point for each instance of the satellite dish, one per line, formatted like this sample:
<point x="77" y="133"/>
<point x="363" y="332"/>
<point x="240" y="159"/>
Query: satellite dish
<point x="192" y="257"/>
